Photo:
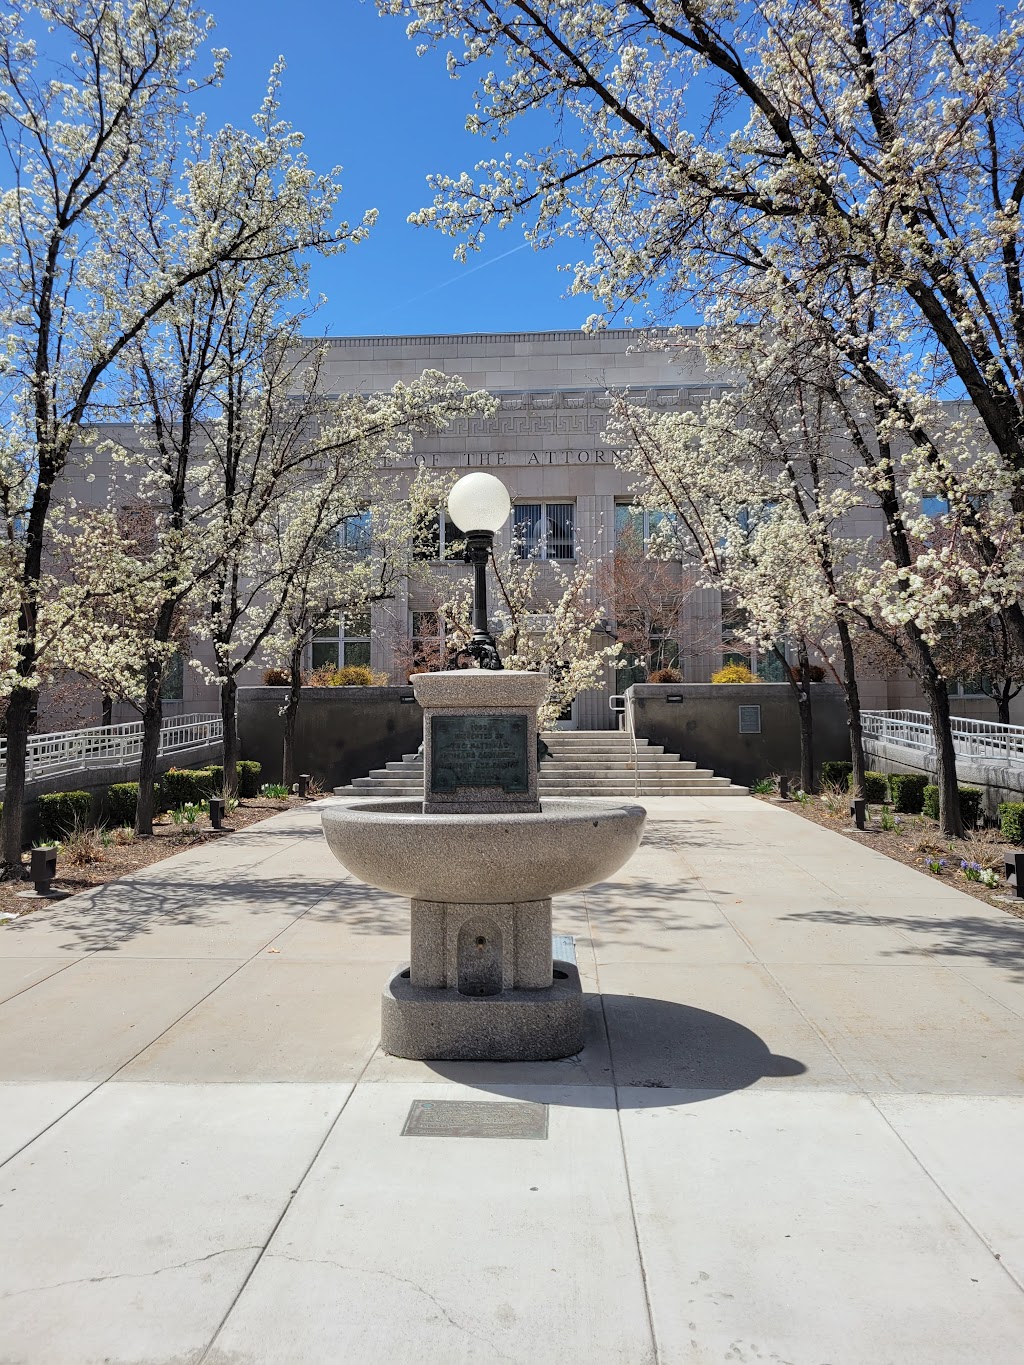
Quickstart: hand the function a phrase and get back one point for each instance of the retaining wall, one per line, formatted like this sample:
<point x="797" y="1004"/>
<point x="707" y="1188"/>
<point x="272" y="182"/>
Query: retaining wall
<point x="998" y="781"/>
<point x="340" y="732"/>
<point x="97" y="780"/>
<point x="701" y="721"/>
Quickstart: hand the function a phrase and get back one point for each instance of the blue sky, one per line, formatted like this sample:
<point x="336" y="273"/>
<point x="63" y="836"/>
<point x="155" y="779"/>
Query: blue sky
<point x="364" y="100"/>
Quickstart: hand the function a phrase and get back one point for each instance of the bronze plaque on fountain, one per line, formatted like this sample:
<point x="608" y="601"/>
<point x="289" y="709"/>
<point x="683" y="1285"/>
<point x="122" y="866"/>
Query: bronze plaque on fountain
<point x="479" y="751"/>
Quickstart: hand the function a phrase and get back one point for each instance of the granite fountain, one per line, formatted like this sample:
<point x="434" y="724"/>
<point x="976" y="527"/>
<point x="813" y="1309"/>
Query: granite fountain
<point x="480" y="857"/>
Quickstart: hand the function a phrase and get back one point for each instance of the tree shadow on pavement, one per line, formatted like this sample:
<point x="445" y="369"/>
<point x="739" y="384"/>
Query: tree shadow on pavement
<point x="122" y="911"/>
<point x="999" y="942"/>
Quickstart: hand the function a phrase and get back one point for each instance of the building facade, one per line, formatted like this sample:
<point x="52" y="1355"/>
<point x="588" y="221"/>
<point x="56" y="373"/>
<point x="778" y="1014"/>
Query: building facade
<point x="571" y="500"/>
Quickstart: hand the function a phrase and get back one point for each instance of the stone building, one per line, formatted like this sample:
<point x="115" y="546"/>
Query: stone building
<point x="569" y="498"/>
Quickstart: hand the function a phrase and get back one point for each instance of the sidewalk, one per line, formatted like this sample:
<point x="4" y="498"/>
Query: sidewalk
<point x="795" y="1134"/>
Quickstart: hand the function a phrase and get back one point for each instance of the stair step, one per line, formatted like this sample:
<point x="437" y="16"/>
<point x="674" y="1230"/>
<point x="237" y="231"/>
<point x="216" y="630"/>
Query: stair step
<point x="592" y="763"/>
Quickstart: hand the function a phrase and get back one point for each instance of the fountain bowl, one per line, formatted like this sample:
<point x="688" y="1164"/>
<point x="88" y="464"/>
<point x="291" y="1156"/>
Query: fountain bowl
<point x="483" y="859"/>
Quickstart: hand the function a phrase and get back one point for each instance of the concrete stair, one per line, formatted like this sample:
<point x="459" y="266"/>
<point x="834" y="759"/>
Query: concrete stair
<point x="582" y="763"/>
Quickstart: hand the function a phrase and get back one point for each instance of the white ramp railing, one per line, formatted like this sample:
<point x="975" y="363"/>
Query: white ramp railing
<point x="72" y="751"/>
<point x="984" y="740"/>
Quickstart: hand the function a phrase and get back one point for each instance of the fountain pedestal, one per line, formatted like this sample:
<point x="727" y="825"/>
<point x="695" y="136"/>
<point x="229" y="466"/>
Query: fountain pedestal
<point x="480" y="859"/>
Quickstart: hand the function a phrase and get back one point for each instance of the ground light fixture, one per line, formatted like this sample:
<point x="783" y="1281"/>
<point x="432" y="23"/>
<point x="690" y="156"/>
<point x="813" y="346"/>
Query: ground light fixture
<point x="479" y="505"/>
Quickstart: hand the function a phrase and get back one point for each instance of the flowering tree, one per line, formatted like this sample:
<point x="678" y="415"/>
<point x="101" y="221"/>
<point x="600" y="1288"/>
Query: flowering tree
<point x="545" y="619"/>
<point x="113" y="205"/>
<point x="645" y="594"/>
<point x="856" y="175"/>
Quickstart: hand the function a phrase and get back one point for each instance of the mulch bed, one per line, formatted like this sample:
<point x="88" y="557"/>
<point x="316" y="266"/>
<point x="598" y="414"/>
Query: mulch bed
<point x="917" y="840"/>
<point x="116" y="859"/>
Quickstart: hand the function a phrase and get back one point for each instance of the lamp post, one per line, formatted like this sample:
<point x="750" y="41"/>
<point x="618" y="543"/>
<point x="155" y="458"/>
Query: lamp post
<point x="479" y="505"/>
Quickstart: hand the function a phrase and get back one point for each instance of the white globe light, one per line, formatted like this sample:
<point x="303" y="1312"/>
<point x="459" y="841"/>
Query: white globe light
<point x="479" y="502"/>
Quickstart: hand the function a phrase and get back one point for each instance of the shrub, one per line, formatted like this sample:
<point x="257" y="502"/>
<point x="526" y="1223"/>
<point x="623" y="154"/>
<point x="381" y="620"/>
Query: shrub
<point x="216" y="778"/>
<point x="733" y="673"/>
<point x="1011" y="821"/>
<point x="122" y="802"/>
<point x="970" y="804"/>
<point x="815" y="672"/>
<point x="83" y="846"/>
<point x="324" y="676"/>
<point x="908" y="792"/>
<point x="249" y="777"/>
<point x="60" y="813"/>
<point x="876" y="788"/>
<point x="835" y="772"/>
<point x="355" y="675"/>
<point x="277" y="677"/>
<point x="182" y="785"/>
<point x="666" y="675"/>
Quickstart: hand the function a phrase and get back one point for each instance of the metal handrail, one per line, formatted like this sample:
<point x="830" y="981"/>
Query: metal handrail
<point x="636" y="752"/>
<point x="69" y="751"/>
<point x="626" y="709"/>
<point x="980" y="739"/>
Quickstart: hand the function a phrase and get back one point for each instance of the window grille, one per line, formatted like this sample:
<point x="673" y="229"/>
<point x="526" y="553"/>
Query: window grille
<point x="544" y="530"/>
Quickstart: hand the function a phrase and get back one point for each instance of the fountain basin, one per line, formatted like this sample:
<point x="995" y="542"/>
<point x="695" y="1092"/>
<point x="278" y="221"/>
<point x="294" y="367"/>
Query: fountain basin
<point x="483" y="859"/>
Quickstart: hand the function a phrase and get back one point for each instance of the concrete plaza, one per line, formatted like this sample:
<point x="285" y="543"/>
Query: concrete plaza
<point x="795" y="1134"/>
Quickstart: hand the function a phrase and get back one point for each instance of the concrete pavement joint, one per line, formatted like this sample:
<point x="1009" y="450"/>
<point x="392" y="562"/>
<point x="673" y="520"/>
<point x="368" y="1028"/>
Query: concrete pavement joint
<point x="655" y="1358"/>
<point x="281" y="1216"/>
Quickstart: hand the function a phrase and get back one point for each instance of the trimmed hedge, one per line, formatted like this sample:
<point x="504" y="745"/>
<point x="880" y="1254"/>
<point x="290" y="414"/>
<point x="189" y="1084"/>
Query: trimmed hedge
<point x="181" y="785"/>
<point x="1011" y="821"/>
<point x="836" y="772"/>
<point x="61" y="812"/>
<point x="908" y="792"/>
<point x="123" y="802"/>
<point x="216" y="778"/>
<point x="249" y="777"/>
<point x="876" y="788"/>
<point x="970" y="804"/>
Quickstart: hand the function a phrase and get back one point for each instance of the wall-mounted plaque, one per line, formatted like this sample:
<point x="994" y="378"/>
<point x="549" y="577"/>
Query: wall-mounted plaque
<point x="478" y="751"/>
<point x="750" y="720"/>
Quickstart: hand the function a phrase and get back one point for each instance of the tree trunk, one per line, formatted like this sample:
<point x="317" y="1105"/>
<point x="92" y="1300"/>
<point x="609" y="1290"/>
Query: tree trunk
<point x="291" y="711"/>
<point x="801" y="689"/>
<point x="228" y="699"/>
<point x="16" y="731"/>
<point x="152" y="722"/>
<point x="935" y="689"/>
<point x="853" y="716"/>
<point x="806" y="720"/>
<point x="1002" y="700"/>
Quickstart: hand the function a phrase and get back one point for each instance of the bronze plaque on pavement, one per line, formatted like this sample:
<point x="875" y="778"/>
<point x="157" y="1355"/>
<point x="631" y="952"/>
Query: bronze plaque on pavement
<point x="476" y="1118"/>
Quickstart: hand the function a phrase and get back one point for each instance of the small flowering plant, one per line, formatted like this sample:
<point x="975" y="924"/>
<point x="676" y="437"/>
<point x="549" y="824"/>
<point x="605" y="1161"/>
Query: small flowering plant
<point x="936" y="865"/>
<point x="188" y="814"/>
<point x="989" y="877"/>
<point x="972" y="871"/>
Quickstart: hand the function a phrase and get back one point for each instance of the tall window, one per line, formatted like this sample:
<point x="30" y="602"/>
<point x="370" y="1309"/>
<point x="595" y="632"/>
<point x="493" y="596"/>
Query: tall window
<point x="544" y="530"/>
<point x="173" y="686"/>
<point x="634" y="527"/>
<point x="348" y="644"/>
<point x="438" y="538"/>
<point x="427" y="639"/>
<point x="354" y="532"/>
